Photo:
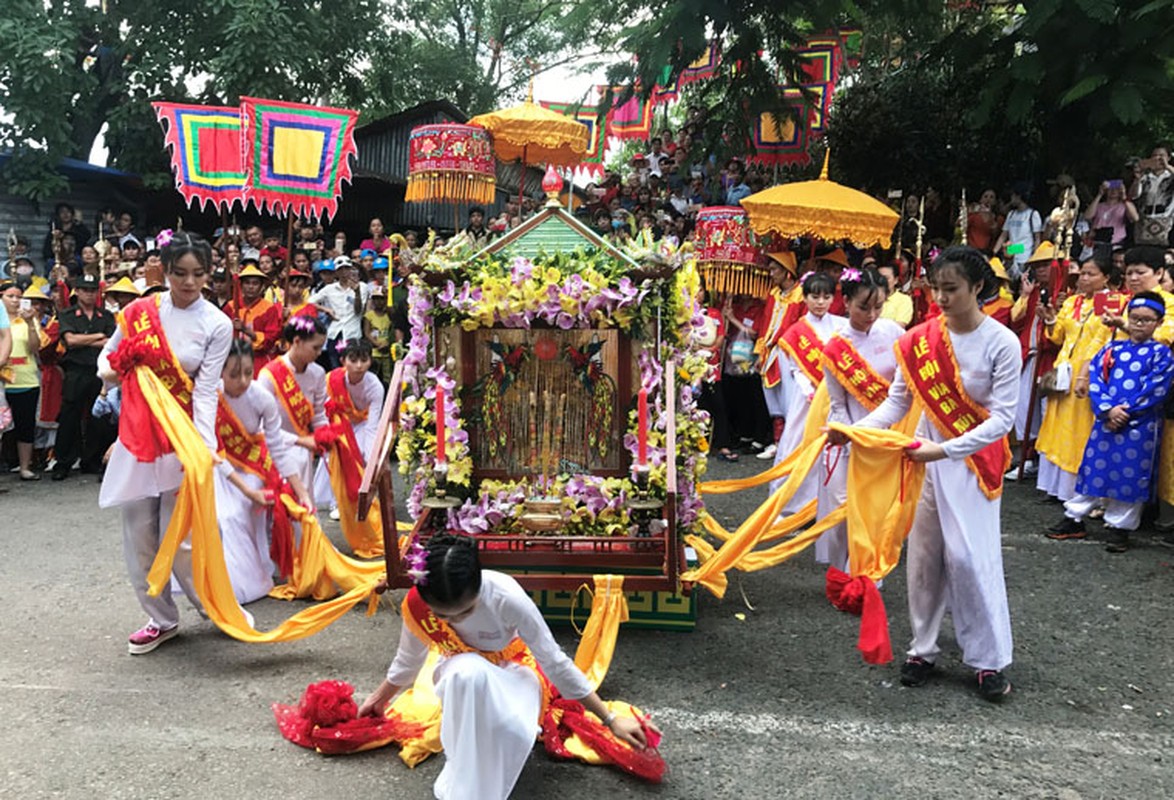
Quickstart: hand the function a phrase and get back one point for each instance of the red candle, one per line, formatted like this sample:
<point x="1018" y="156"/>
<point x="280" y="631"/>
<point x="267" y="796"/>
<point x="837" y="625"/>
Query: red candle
<point x="439" y="424"/>
<point x="642" y="428"/>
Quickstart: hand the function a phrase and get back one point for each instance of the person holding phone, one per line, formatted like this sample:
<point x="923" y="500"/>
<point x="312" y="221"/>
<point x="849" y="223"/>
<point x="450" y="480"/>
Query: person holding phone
<point x="1153" y="189"/>
<point x="1110" y="211"/>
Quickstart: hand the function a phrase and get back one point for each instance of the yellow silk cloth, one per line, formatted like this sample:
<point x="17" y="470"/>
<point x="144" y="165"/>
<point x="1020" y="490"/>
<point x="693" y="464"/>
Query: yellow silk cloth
<point x="883" y="489"/>
<point x="419" y="703"/>
<point x="320" y="571"/>
<point x="365" y="537"/>
<point x="195" y="512"/>
<point x="816" y="418"/>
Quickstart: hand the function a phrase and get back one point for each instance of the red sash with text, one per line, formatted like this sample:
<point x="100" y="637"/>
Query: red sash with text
<point x="854" y="373"/>
<point x="927" y="360"/>
<point x="433" y="630"/>
<point x="249" y="453"/>
<point x="342" y="414"/>
<point x="805" y="348"/>
<point x="297" y="406"/>
<point x="144" y="344"/>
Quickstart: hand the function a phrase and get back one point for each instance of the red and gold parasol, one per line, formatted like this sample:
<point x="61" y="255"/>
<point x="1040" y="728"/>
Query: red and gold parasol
<point x="450" y="162"/>
<point x="728" y="253"/>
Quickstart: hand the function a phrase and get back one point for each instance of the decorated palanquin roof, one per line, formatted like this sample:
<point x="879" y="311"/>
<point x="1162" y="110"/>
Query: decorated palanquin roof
<point x="552" y="230"/>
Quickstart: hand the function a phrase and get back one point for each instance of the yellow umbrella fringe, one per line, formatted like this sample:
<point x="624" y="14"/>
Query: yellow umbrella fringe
<point x="461" y="187"/>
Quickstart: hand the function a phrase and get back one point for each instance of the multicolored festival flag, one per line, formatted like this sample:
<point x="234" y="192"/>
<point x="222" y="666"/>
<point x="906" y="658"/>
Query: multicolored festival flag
<point x="296" y="155"/>
<point x="206" y="156"/>
<point x="592" y="163"/>
<point x="809" y="104"/>
<point x="703" y="68"/>
<point x="631" y="119"/>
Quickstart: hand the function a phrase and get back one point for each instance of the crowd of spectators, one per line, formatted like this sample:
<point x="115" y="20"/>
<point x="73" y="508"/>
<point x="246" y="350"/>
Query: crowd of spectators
<point x="57" y="317"/>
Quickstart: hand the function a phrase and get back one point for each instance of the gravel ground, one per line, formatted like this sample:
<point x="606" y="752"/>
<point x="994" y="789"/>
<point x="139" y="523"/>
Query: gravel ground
<point x="776" y="704"/>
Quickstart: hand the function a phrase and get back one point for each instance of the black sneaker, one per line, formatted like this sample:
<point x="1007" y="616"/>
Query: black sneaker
<point x="1166" y="541"/>
<point x="916" y="671"/>
<point x="993" y="685"/>
<point x="1067" y="528"/>
<point x="1116" y="541"/>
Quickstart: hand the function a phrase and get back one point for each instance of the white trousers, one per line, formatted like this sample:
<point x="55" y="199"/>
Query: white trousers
<point x="1025" y="379"/>
<point x="244" y="533"/>
<point x="776" y="399"/>
<point x="797" y="410"/>
<point x="832" y="491"/>
<point x="488" y="724"/>
<point x="955" y="560"/>
<point x="144" y="522"/>
<point x="1118" y="514"/>
<point x="1055" y="481"/>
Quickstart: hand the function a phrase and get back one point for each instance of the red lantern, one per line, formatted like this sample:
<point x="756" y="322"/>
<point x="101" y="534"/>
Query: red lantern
<point x="728" y="253"/>
<point x="450" y="162"/>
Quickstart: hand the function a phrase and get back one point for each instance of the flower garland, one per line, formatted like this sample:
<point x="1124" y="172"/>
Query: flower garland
<point x="416" y="448"/>
<point x="564" y="291"/>
<point x="557" y="292"/>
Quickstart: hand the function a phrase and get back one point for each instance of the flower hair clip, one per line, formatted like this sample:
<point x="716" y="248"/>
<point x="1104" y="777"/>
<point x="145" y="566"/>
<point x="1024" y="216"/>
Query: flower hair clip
<point x="302" y="324"/>
<point x="851" y="275"/>
<point x="164" y="237"/>
<point x="340" y="347"/>
<point x="803" y="278"/>
<point x="417" y="561"/>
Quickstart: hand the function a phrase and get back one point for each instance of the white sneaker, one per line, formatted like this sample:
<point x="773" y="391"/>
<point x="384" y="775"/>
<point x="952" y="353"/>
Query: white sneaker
<point x="1029" y="469"/>
<point x="334" y="515"/>
<point x="768" y="453"/>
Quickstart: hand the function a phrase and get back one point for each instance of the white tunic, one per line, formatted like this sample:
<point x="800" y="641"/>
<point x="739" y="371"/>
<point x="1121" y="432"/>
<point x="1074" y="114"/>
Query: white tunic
<point x="799" y="393"/>
<point x="312" y="382"/>
<point x="367" y="395"/>
<point x="244" y="526"/>
<point x="876" y="347"/>
<point x="199" y="336"/>
<point x="489" y="714"/>
<point x="504" y="611"/>
<point x="955" y="557"/>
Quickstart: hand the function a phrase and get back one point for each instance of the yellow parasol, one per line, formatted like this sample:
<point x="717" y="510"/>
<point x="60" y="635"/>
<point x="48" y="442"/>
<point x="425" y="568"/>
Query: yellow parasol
<point x="535" y="134"/>
<point x="823" y="209"/>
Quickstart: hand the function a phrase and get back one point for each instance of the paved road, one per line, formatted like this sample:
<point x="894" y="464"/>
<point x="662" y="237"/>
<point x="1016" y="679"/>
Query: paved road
<point x="776" y="705"/>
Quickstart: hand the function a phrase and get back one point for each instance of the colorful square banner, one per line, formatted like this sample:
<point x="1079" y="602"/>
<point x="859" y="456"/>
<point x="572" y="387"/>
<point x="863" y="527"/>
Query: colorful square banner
<point x="205" y="146"/>
<point x="297" y="155"/>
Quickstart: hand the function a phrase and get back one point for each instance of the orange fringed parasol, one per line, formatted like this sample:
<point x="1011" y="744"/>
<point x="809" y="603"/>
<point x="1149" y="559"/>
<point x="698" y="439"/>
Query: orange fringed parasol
<point x="535" y="135"/>
<point x="823" y="209"/>
<point x="450" y="162"/>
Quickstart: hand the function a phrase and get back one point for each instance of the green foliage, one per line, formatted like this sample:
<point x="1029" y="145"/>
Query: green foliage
<point x="906" y="130"/>
<point x="946" y="93"/>
<point x="476" y="53"/>
<point x="69" y="68"/>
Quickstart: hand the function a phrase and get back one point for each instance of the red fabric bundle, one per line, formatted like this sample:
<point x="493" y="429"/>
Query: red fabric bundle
<point x="568" y="717"/>
<point x="325" y="436"/>
<point x="859" y="596"/>
<point x="138" y="430"/>
<point x="324" y="720"/>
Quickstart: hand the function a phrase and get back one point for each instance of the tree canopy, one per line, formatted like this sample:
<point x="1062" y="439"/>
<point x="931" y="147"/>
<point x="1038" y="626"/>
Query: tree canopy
<point x="957" y="91"/>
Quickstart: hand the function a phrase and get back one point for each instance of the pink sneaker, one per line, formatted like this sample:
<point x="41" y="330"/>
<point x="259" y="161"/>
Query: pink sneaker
<point x="147" y="638"/>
